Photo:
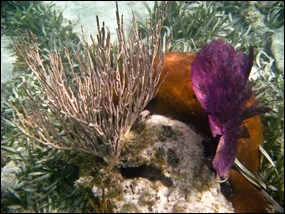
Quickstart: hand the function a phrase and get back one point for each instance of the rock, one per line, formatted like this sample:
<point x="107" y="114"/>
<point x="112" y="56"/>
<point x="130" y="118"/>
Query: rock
<point x="277" y="48"/>
<point x="9" y="177"/>
<point x="163" y="169"/>
<point x="7" y="59"/>
<point x="256" y="19"/>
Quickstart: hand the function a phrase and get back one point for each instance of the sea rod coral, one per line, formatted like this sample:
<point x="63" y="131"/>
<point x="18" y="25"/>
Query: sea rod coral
<point x="219" y="80"/>
<point x="109" y="87"/>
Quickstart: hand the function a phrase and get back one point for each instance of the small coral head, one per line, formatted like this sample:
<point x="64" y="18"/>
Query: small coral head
<point x="219" y="80"/>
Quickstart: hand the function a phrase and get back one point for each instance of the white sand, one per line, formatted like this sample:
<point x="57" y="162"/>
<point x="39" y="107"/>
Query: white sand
<point x="85" y="12"/>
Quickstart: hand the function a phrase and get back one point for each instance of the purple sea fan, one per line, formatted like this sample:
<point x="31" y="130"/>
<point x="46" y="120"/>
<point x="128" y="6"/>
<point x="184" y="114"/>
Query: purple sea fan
<point x="219" y="80"/>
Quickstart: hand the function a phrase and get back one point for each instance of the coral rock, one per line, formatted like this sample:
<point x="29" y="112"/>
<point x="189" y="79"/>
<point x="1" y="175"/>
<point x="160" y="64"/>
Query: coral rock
<point x="164" y="170"/>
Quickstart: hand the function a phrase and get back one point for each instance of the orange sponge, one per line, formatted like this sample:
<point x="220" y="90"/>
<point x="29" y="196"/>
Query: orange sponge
<point x="175" y="97"/>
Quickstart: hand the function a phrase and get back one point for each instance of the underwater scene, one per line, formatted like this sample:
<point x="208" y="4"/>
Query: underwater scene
<point x="142" y="106"/>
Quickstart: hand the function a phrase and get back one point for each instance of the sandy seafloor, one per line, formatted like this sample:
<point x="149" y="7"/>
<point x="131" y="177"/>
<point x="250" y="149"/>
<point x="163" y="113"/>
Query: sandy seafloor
<point x="82" y="14"/>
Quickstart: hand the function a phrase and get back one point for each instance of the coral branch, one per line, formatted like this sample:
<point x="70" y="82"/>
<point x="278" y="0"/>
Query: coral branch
<point x="108" y="89"/>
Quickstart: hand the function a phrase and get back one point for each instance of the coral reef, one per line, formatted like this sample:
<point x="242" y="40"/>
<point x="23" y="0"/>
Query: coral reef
<point x="149" y="179"/>
<point x="176" y="99"/>
<point x="162" y="169"/>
